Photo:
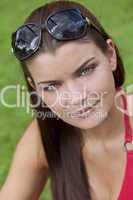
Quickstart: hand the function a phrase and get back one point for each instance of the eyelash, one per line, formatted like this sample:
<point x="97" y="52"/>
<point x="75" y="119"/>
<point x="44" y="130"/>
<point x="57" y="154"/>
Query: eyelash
<point x="90" y="68"/>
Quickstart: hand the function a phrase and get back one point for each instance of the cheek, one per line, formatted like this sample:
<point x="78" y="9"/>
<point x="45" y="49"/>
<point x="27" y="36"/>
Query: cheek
<point x="102" y="84"/>
<point x="107" y="91"/>
<point x="106" y="85"/>
<point x="103" y="79"/>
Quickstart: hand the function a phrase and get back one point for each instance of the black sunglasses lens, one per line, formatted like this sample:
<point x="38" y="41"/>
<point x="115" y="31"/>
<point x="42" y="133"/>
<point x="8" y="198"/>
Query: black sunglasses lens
<point x="66" y="24"/>
<point x="26" y="40"/>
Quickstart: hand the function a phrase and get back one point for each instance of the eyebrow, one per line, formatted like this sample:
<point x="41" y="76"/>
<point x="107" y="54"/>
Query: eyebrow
<point x="74" y="73"/>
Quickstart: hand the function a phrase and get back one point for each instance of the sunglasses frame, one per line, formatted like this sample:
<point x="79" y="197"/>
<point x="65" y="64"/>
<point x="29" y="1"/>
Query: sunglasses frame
<point x="45" y="26"/>
<point x="59" y="11"/>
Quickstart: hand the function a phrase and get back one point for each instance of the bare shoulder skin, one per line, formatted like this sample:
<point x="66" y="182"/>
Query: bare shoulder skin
<point x="28" y="173"/>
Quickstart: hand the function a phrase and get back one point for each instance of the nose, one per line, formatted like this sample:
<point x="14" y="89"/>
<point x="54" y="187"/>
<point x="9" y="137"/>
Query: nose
<point x="74" y="94"/>
<point x="79" y="102"/>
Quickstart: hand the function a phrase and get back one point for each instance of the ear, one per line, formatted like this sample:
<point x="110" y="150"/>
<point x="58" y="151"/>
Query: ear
<point x="112" y="54"/>
<point x="30" y="82"/>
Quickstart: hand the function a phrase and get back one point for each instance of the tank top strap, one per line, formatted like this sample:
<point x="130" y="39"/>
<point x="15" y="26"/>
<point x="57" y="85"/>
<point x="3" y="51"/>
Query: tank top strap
<point x="128" y="129"/>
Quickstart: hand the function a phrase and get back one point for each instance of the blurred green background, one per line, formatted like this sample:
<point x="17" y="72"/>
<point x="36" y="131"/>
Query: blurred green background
<point x="117" y="19"/>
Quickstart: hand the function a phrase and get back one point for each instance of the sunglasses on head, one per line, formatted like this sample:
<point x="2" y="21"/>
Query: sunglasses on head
<point x="63" y="25"/>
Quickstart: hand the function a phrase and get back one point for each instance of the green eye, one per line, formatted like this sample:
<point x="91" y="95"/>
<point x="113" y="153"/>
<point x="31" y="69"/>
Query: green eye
<point x="50" y="88"/>
<point x="85" y="71"/>
<point x="88" y="70"/>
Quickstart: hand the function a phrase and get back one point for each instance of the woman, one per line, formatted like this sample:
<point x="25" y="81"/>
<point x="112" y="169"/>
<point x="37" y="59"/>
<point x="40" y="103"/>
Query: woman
<point x="75" y="75"/>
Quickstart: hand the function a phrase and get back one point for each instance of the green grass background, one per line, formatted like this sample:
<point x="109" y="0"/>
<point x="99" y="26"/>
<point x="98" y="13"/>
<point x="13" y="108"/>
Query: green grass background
<point x="117" y="19"/>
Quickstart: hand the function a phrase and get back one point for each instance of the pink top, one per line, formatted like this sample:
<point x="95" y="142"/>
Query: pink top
<point x="126" y="191"/>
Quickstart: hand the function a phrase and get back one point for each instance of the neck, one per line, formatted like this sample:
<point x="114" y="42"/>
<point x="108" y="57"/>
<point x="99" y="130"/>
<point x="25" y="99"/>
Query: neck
<point x="109" y="129"/>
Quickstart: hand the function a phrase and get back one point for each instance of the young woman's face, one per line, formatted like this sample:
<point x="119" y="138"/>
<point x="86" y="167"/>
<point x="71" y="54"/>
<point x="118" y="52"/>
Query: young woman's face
<point x="65" y="88"/>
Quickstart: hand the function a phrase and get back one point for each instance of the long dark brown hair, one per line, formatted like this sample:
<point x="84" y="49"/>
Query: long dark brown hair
<point x="62" y="141"/>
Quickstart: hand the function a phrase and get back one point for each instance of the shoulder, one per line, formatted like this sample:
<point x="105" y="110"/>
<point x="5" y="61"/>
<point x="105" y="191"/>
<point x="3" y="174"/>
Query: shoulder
<point x="32" y="145"/>
<point x="29" y="167"/>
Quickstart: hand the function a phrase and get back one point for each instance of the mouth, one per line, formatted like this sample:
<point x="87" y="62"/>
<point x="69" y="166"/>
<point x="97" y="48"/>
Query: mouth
<point x="86" y="109"/>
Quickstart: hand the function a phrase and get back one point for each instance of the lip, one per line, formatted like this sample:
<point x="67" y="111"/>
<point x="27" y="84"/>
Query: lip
<point x="84" y="110"/>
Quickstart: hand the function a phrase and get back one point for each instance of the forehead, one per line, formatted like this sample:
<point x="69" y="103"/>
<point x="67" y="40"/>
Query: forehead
<point x="66" y="58"/>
